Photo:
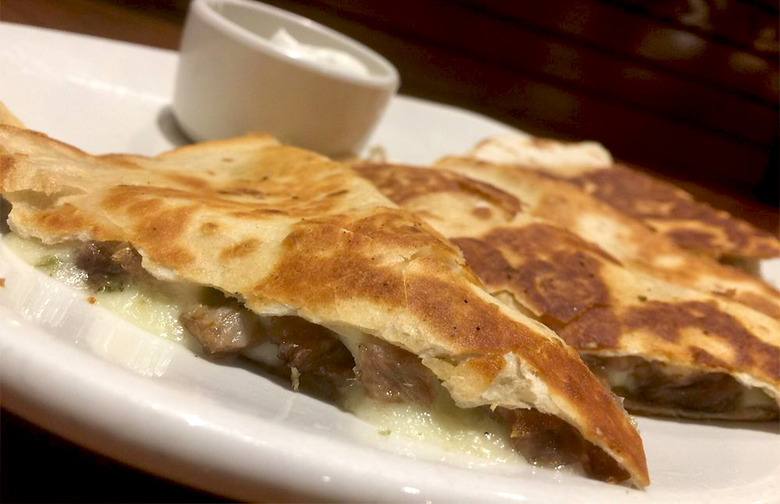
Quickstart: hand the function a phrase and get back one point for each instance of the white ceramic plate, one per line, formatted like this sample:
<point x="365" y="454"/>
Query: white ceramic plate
<point x="100" y="382"/>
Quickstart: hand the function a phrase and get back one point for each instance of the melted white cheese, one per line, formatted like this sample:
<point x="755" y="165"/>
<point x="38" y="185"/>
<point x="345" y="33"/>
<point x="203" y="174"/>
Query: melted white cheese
<point x="156" y="308"/>
<point x="153" y="309"/>
<point x="444" y="425"/>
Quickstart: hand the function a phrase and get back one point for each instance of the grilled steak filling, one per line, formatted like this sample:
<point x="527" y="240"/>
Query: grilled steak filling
<point x="547" y="441"/>
<point x="318" y="362"/>
<point x="313" y="355"/>
<point x="220" y="329"/>
<point x="109" y="265"/>
<point x="655" y="387"/>
<point x="392" y="374"/>
<point x="5" y="210"/>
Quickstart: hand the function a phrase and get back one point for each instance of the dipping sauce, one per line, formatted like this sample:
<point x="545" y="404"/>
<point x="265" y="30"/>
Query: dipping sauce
<point x="333" y="59"/>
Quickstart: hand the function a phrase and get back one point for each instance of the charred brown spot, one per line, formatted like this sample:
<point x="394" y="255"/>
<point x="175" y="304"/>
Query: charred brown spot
<point x="693" y="239"/>
<point x="187" y="181"/>
<point x="489" y="365"/>
<point x="486" y="261"/>
<point x="61" y="219"/>
<point x="476" y="325"/>
<point x="669" y="320"/>
<point x="146" y="206"/>
<point x="208" y="228"/>
<point x="6" y="167"/>
<point x="404" y="183"/>
<point x="598" y="328"/>
<point x="702" y="356"/>
<point x="258" y="213"/>
<point x="543" y="143"/>
<point x="165" y="229"/>
<point x="649" y="199"/>
<point x="125" y="161"/>
<point x="482" y="212"/>
<point x="544" y="240"/>
<point x="555" y="272"/>
<point x="241" y="249"/>
<point x="243" y="191"/>
<point x="563" y="288"/>
<point x="760" y="303"/>
<point x="330" y="256"/>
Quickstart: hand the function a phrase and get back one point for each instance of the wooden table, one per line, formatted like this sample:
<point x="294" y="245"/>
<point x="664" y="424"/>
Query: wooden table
<point x="38" y="466"/>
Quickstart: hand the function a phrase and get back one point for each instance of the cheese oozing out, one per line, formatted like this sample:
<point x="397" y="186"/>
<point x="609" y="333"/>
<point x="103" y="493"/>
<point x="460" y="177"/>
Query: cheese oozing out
<point x="466" y="436"/>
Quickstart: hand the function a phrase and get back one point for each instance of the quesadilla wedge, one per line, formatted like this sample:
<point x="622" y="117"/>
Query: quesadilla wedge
<point x="665" y="208"/>
<point x="668" y="350"/>
<point x="8" y="118"/>
<point x="621" y="236"/>
<point x="287" y="249"/>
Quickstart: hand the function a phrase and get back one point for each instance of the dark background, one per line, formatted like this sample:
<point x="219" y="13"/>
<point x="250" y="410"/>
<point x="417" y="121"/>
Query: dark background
<point x="685" y="89"/>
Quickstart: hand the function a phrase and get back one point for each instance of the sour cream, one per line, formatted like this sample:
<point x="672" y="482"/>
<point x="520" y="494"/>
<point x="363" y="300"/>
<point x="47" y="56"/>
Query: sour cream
<point x="333" y="59"/>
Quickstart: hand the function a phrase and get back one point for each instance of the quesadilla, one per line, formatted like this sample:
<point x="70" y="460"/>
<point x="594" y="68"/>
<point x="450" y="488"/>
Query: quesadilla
<point x="8" y="118"/>
<point x="665" y="208"/>
<point x="666" y="349"/>
<point x="621" y="236"/>
<point x="267" y="246"/>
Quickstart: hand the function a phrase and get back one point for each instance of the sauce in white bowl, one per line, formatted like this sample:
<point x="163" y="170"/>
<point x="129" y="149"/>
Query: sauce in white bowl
<point x="233" y="78"/>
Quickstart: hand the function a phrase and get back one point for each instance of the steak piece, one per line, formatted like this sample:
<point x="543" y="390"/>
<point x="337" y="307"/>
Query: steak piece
<point x="5" y="210"/>
<point x="103" y="273"/>
<point x="393" y="374"/>
<point x="109" y="266"/>
<point x="546" y="440"/>
<point x="222" y="329"/>
<point x="661" y="388"/>
<point x="317" y="358"/>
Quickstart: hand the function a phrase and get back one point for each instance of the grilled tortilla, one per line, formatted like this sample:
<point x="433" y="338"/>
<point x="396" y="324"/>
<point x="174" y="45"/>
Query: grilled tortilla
<point x="301" y="249"/>
<point x="621" y="236"/>
<point x="7" y="117"/>
<point x="666" y="209"/>
<point x="667" y="349"/>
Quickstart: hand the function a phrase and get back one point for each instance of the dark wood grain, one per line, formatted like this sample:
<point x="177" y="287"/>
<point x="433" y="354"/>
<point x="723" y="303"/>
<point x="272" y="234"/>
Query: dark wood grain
<point x="155" y="23"/>
<point x="637" y="37"/>
<point x="545" y="91"/>
<point x="749" y="25"/>
<point x="678" y="97"/>
<point x="568" y="63"/>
